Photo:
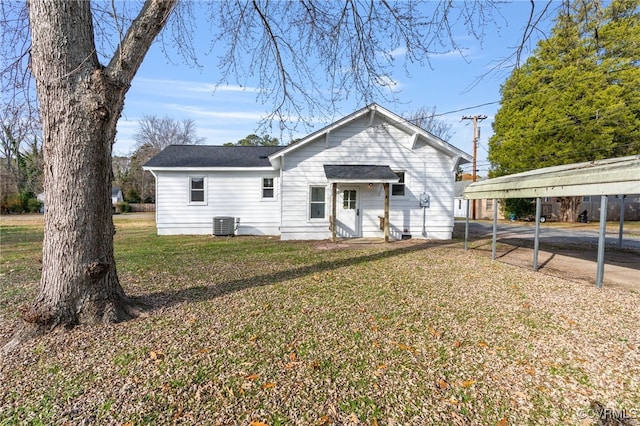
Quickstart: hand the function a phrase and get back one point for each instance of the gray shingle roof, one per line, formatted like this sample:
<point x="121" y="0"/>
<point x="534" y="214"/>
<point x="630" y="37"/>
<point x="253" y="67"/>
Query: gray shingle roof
<point x="213" y="156"/>
<point x="359" y="172"/>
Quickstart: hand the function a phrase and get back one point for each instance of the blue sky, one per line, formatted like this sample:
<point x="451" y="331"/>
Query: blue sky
<point x="164" y="88"/>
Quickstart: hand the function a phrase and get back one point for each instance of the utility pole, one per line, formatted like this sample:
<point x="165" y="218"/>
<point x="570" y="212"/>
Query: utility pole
<point x="476" y="136"/>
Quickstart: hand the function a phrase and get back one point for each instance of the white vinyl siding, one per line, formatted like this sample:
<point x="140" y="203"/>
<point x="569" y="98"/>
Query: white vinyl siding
<point x="228" y="193"/>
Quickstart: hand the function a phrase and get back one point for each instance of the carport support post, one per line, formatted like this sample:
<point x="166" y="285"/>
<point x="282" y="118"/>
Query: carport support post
<point x="466" y="227"/>
<point x="536" y="239"/>
<point x="495" y="228"/>
<point x="602" y="239"/>
<point x="622" y="197"/>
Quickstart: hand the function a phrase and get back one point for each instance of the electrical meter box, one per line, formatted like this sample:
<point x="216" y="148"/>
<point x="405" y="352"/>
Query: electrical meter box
<point x="424" y="200"/>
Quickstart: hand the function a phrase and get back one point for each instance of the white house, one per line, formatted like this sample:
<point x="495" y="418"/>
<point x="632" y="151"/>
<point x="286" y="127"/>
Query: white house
<point x="116" y="196"/>
<point x="370" y="174"/>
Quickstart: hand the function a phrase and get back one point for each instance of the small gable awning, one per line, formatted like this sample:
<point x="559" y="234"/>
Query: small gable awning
<point x="358" y="173"/>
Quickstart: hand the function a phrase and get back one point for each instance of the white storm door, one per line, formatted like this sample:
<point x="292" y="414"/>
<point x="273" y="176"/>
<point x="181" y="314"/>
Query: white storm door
<point x="349" y="213"/>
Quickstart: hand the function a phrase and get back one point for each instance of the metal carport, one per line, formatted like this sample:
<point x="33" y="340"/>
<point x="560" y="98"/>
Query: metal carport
<point x="613" y="176"/>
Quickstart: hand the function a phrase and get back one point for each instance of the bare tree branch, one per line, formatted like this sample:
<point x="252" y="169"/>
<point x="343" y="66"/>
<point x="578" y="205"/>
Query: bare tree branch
<point x="130" y="53"/>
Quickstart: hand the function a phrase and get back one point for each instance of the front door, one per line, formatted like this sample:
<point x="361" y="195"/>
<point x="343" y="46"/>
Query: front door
<point x="349" y="213"/>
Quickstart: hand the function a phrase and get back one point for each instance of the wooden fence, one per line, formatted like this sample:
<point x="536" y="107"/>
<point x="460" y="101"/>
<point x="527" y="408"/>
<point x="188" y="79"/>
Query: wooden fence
<point x="142" y="207"/>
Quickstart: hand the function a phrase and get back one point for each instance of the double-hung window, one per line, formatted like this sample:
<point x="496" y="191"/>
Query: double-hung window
<point x="397" y="189"/>
<point x="197" y="190"/>
<point x="317" y="203"/>
<point x="267" y="188"/>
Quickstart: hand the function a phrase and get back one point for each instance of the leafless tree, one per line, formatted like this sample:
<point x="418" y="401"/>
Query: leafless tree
<point x="83" y="56"/>
<point x="153" y="135"/>
<point x="21" y="165"/>
<point x="159" y="133"/>
<point x="426" y="118"/>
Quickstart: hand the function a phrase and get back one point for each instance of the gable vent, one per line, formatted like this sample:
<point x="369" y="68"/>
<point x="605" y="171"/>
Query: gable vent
<point x="223" y="225"/>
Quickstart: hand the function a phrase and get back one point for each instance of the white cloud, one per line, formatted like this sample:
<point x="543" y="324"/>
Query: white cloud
<point x="399" y="51"/>
<point x="227" y="115"/>
<point x="389" y="83"/>
<point x="185" y="88"/>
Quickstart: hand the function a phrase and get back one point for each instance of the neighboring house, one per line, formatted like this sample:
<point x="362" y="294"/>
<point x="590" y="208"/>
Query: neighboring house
<point x="460" y="204"/>
<point x="484" y="208"/>
<point x="341" y="181"/>
<point x="551" y="207"/>
<point x="116" y="196"/>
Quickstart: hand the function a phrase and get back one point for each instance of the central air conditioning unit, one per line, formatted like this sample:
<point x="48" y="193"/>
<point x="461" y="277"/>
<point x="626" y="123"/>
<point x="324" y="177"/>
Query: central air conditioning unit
<point x="223" y="226"/>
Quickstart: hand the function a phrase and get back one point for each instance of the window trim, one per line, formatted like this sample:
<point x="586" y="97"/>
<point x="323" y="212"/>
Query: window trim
<point x="403" y="184"/>
<point x="263" y="188"/>
<point x="190" y="189"/>
<point x="310" y="202"/>
<point x="351" y="201"/>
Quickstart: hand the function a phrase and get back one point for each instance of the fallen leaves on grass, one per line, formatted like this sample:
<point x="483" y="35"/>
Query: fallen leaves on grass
<point x="381" y="331"/>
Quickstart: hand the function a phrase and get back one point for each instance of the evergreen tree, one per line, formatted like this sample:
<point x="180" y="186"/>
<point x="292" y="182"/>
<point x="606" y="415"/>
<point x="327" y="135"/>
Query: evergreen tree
<point x="576" y="98"/>
<point x="255" y="140"/>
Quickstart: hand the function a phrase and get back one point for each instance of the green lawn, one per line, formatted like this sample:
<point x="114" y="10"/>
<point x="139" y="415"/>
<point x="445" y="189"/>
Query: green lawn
<point x="253" y="329"/>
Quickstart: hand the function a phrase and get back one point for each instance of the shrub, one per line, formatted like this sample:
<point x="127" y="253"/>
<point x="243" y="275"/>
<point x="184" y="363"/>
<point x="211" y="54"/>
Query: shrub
<point x="123" y="207"/>
<point x="11" y="204"/>
<point x="133" y="196"/>
<point x="33" y="205"/>
<point x="518" y="207"/>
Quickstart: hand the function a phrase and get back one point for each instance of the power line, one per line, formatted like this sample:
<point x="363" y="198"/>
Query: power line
<point x="466" y="109"/>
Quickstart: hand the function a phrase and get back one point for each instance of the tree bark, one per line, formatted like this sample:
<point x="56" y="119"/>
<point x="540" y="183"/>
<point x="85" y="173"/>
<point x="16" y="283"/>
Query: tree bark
<point x="569" y="208"/>
<point x="80" y="106"/>
<point x="81" y="102"/>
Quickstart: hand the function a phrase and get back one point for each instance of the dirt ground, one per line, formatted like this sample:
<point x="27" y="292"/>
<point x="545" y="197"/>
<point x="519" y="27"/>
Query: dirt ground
<point x="575" y="261"/>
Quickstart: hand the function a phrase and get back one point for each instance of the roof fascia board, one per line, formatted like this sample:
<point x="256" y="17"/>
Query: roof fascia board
<point x="618" y="188"/>
<point x="343" y="181"/>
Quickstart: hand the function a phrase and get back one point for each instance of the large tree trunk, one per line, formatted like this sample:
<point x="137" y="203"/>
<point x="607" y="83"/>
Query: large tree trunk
<point x="80" y="106"/>
<point x="80" y="103"/>
<point x="569" y="208"/>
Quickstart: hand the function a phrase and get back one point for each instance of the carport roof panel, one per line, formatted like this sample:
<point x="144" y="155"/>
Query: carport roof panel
<point x="614" y="176"/>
